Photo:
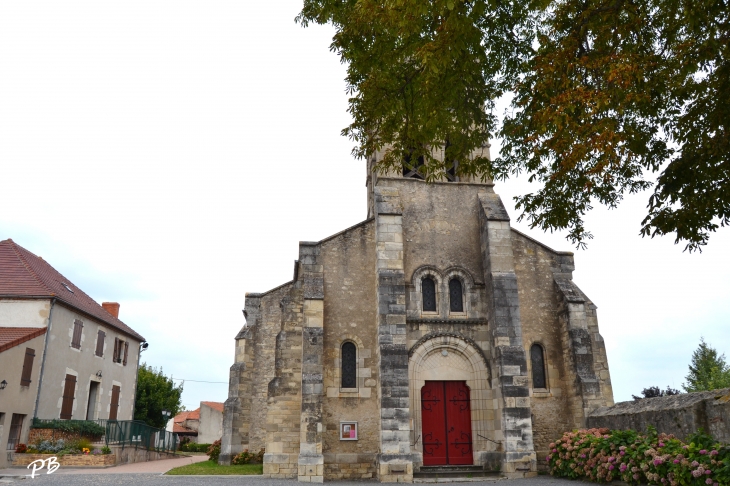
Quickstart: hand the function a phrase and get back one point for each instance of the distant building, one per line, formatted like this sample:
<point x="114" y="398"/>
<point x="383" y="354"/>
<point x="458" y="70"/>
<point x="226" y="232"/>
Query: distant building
<point x="62" y="355"/>
<point x="203" y="425"/>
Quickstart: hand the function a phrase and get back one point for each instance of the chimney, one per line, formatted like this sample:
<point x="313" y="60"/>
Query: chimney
<point x="112" y="308"/>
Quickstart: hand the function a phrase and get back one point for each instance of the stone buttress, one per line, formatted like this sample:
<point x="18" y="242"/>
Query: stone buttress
<point x="503" y="314"/>
<point x="395" y="463"/>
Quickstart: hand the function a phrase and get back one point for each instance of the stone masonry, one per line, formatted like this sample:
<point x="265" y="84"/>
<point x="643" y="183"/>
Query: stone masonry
<point x="503" y="311"/>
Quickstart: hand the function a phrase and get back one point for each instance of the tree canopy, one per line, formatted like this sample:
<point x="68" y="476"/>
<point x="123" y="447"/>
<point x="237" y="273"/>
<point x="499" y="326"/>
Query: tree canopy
<point x="155" y="393"/>
<point x="655" y="391"/>
<point x="607" y="94"/>
<point x="707" y="371"/>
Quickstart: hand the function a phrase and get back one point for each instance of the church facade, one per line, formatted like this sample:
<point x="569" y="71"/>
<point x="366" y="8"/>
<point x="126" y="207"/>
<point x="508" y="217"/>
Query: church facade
<point x="430" y="334"/>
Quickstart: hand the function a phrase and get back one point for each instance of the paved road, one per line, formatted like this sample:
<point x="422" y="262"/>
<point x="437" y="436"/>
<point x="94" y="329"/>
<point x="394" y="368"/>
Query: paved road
<point x="141" y="479"/>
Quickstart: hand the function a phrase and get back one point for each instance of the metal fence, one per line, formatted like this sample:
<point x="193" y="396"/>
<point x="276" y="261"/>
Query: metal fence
<point x="133" y="433"/>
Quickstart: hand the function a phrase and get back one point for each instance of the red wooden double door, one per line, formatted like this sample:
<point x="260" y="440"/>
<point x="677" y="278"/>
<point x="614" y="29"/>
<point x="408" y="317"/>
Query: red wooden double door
<point x="446" y="416"/>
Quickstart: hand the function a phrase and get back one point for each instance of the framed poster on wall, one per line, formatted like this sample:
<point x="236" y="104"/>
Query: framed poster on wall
<point x="348" y="430"/>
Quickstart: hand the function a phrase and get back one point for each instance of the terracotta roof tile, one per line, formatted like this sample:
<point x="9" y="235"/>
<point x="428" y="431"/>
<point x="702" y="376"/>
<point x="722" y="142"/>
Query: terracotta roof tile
<point x="14" y="336"/>
<point x="187" y="415"/>
<point x="25" y="275"/>
<point x="179" y="429"/>
<point x="214" y="405"/>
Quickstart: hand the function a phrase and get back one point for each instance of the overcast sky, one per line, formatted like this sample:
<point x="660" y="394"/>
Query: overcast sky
<point x="170" y="155"/>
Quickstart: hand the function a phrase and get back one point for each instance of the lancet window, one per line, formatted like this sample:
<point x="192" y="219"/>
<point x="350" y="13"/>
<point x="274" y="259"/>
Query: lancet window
<point x="456" y="295"/>
<point x="349" y="365"/>
<point x="537" y="357"/>
<point x="428" y="287"/>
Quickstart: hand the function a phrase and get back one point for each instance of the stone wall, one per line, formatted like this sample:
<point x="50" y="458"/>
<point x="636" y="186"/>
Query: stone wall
<point x="680" y="415"/>
<point x="54" y="434"/>
<point x="349" y="315"/>
<point x="546" y="321"/>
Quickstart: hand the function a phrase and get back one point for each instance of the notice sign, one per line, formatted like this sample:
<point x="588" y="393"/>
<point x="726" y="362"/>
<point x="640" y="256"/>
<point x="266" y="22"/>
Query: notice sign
<point x="348" y="430"/>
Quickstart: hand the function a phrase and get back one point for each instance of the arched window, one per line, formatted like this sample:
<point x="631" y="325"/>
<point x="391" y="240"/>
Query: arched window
<point x="538" y="366"/>
<point x="428" y="287"/>
<point x="456" y="300"/>
<point x="349" y="365"/>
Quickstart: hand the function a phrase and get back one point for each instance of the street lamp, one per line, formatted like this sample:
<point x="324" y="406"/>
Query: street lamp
<point x="166" y="414"/>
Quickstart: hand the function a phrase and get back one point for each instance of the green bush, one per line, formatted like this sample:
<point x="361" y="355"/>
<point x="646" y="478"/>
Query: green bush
<point x="214" y="451"/>
<point x="82" y="427"/>
<point x="193" y="447"/>
<point x="601" y="455"/>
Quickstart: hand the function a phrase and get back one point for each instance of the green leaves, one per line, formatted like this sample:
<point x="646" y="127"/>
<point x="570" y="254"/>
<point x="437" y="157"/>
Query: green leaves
<point x="155" y="393"/>
<point x="606" y="93"/>
<point x="707" y="371"/>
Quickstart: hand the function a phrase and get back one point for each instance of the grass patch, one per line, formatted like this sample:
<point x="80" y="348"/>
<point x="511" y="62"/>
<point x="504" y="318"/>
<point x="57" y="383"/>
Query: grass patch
<point x="212" y="468"/>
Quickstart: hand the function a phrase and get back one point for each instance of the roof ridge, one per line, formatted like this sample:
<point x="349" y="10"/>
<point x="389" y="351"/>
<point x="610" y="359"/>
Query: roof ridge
<point x="29" y="269"/>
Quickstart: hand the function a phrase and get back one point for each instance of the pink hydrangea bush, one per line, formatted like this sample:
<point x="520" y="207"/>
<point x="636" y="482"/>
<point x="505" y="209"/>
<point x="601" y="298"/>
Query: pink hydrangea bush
<point x="602" y="456"/>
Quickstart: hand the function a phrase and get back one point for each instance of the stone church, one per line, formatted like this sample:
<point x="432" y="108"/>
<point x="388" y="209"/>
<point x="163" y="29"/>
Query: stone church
<point x="432" y="334"/>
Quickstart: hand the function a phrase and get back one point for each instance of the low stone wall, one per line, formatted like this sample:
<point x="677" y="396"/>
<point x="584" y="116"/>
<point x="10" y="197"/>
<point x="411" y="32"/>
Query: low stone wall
<point x="680" y="415"/>
<point x="54" y="434"/>
<point x="130" y="455"/>
<point x="75" y="460"/>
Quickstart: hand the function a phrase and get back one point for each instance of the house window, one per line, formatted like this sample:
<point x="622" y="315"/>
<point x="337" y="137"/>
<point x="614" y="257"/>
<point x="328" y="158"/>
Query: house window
<point x="27" y="367"/>
<point x="537" y="357"/>
<point x="69" y="390"/>
<point x="349" y="365"/>
<point x="428" y="287"/>
<point x="121" y="351"/>
<point x="456" y="295"/>
<point x="115" y="403"/>
<point x="76" y="340"/>
<point x="100" y="343"/>
<point x="16" y="428"/>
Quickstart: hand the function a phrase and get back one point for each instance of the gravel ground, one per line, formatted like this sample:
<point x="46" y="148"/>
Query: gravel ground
<point x="159" y="480"/>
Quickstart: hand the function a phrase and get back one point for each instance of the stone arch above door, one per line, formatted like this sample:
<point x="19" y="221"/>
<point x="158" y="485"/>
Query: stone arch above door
<point x="449" y="357"/>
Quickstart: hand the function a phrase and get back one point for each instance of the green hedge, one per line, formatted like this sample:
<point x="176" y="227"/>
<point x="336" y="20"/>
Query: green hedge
<point x="84" y="428"/>
<point x="601" y="455"/>
<point x="193" y="447"/>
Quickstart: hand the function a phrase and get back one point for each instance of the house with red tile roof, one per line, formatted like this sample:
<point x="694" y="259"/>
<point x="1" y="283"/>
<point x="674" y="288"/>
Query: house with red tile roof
<point x="62" y="355"/>
<point x="203" y="425"/>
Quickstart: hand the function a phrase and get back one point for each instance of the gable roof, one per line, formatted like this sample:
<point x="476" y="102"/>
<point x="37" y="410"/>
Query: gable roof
<point x="14" y="336"/>
<point x="187" y="415"/>
<point x="214" y="405"/>
<point x="26" y="275"/>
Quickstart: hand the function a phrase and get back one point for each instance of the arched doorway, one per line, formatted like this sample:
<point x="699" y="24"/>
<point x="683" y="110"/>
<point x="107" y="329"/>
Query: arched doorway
<point x="451" y="400"/>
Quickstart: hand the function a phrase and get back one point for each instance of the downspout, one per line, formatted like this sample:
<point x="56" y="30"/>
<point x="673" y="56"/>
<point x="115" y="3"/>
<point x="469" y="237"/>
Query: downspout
<point x="136" y="377"/>
<point x="43" y="360"/>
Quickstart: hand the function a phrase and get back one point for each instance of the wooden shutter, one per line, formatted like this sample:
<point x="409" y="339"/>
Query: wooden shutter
<point x="116" y="350"/>
<point x="68" y="397"/>
<point x="115" y="403"/>
<point x="27" y="367"/>
<point x="100" y="343"/>
<point x="76" y="341"/>
<point x="126" y="352"/>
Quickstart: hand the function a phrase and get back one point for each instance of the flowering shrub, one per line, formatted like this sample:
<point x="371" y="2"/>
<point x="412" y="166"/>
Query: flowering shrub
<point x="214" y="451"/>
<point x="246" y="457"/>
<point x="21" y="448"/>
<point x="602" y="456"/>
<point x="106" y="450"/>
